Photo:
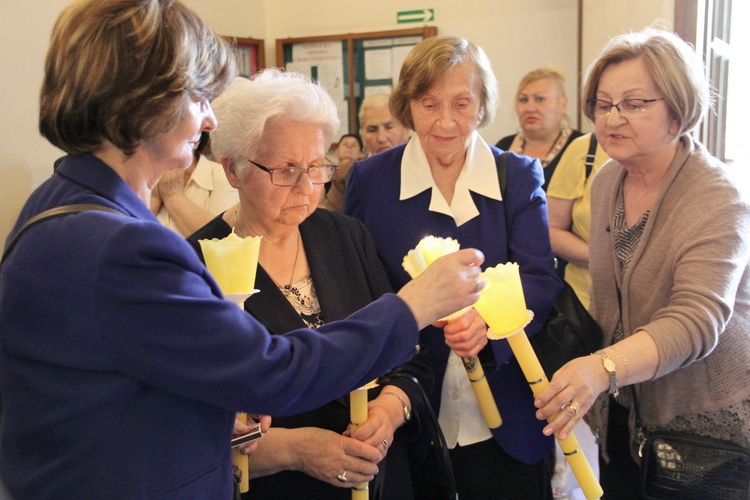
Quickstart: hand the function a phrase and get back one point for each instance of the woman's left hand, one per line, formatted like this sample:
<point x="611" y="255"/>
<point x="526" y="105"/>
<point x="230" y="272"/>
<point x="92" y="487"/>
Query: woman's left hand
<point x="466" y="335"/>
<point x="570" y="394"/>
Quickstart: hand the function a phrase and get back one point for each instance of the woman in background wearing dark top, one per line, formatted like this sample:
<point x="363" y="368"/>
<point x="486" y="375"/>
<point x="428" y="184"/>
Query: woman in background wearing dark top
<point x="315" y="266"/>
<point x="541" y="107"/>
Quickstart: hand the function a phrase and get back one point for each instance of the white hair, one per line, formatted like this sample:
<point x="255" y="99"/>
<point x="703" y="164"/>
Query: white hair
<point x="245" y="107"/>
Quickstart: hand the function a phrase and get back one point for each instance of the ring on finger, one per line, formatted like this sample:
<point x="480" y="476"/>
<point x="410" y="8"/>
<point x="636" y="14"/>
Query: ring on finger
<point x="342" y="477"/>
<point x="573" y="406"/>
<point x="477" y="286"/>
<point x="385" y="444"/>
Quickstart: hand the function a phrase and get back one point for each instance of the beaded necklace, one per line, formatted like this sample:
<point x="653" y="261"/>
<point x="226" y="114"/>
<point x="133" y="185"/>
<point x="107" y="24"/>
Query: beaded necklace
<point x="553" y="151"/>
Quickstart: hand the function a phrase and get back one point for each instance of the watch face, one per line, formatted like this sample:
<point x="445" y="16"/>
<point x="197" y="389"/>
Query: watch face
<point x="609" y="365"/>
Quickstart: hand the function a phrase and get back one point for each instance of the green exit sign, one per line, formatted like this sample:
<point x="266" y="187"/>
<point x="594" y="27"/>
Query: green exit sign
<point x="415" y="16"/>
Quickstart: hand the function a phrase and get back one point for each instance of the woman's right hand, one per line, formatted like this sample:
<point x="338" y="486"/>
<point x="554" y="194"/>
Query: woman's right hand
<point x="319" y="453"/>
<point x="450" y="284"/>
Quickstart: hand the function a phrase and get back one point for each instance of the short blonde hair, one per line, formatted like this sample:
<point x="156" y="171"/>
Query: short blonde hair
<point x="676" y="69"/>
<point x="541" y="74"/>
<point x="122" y="70"/>
<point x="245" y="108"/>
<point x="429" y="61"/>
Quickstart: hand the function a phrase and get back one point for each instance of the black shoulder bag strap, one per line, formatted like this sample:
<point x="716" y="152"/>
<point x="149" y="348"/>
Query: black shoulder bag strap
<point x="53" y="213"/>
<point x="590" y="156"/>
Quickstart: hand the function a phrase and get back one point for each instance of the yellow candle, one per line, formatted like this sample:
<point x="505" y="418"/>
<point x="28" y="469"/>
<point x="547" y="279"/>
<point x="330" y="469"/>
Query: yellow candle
<point x="232" y="261"/>
<point x="502" y="304"/>
<point x="427" y="251"/>
<point x="502" y="313"/>
<point x="242" y="461"/>
<point x="357" y="417"/>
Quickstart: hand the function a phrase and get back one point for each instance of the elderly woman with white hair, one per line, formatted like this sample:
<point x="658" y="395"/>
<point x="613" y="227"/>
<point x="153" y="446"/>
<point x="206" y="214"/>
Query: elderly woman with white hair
<point x="315" y="266"/>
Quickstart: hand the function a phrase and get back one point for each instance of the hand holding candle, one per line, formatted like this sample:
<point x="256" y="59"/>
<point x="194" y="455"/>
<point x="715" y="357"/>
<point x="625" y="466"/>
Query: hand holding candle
<point x="233" y="262"/>
<point x="503" y="307"/>
<point x="357" y="417"/>
<point x="427" y="251"/>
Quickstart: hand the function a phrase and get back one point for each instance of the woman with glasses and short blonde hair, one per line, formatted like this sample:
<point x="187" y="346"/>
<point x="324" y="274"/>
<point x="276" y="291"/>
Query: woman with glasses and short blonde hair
<point x="669" y="262"/>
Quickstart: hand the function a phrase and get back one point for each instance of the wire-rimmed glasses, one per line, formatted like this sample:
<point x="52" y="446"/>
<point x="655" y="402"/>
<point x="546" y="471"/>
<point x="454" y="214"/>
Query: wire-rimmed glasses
<point x="289" y="176"/>
<point x="627" y="107"/>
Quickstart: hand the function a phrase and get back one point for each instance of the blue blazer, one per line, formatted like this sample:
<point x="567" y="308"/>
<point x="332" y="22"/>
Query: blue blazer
<point x="121" y="366"/>
<point x="372" y="196"/>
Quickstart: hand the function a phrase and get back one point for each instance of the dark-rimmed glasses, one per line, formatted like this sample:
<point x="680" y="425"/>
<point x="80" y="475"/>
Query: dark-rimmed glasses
<point x="627" y="107"/>
<point x="289" y="176"/>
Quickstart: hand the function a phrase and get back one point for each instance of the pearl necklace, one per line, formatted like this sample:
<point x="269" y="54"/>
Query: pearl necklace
<point x="285" y="289"/>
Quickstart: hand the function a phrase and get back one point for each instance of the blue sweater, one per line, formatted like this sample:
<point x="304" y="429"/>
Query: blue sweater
<point x="372" y="196"/>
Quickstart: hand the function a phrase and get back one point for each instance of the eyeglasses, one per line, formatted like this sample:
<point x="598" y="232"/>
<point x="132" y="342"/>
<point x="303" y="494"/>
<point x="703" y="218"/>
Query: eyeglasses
<point x="289" y="176"/>
<point x="627" y="107"/>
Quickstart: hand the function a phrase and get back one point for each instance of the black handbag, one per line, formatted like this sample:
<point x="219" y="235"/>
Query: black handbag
<point x="569" y="331"/>
<point x="685" y="466"/>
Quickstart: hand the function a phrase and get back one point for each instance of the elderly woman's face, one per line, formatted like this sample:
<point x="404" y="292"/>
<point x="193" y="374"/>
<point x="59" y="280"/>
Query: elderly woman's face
<point x="381" y="131"/>
<point x="448" y="113"/>
<point x="540" y="107"/>
<point x="643" y="133"/>
<point x="287" y="143"/>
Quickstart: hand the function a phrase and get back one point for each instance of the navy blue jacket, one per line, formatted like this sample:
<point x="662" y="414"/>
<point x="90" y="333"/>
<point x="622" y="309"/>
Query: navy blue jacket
<point x="397" y="226"/>
<point x="121" y="366"/>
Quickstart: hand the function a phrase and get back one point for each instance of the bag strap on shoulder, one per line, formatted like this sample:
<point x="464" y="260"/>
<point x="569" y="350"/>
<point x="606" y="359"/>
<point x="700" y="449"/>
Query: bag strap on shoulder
<point x="590" y="156"/>
<point x="51" y="214"/>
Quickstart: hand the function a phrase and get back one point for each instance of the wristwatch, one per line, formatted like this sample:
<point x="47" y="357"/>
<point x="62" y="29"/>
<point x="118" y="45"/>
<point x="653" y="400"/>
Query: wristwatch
<point x="609" y="367"/>
<point x="404" y="406"/>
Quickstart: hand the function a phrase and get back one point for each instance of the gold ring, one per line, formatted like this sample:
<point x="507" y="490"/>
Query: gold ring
<point x="572" y="405"/>
<point x="342" y="477"/>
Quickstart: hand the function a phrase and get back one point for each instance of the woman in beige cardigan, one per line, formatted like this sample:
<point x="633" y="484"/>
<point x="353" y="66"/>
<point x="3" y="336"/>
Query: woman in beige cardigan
<point x="669" y="266"/>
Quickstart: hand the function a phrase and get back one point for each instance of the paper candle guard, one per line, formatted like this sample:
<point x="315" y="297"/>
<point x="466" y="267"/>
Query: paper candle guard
<point x="502" y="305"/>
<point x="416" y="261"/>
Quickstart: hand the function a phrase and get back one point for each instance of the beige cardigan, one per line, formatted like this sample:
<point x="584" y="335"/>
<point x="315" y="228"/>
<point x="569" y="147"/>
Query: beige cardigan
<point x="688" y="285"/>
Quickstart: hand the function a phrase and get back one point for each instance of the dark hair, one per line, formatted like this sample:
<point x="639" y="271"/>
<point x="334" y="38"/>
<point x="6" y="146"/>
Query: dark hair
<point x="122" y="71"/>
<point x="356" y="136"/>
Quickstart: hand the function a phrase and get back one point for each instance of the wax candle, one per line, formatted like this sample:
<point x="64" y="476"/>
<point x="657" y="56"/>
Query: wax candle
<point x="502" y="313"/>
<point x="357" y="417"/>
<point x="427" y="251"/>
<point x="232" y="261"/>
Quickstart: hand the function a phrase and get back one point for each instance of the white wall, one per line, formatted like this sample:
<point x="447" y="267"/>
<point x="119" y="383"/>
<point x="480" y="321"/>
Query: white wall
<point x="517" y="36"/>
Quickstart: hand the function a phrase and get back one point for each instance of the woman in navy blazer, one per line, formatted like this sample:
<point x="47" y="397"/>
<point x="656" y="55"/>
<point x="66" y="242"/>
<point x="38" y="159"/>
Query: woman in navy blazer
<point x="444" y="183"/>
<point x="121" y="366"/>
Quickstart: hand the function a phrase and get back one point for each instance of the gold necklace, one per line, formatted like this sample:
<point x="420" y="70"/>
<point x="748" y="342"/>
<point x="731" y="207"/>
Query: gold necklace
<point x="285" y="289"/>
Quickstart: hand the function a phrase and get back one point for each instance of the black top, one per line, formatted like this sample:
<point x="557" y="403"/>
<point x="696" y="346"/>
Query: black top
<point x="347" y="275"/>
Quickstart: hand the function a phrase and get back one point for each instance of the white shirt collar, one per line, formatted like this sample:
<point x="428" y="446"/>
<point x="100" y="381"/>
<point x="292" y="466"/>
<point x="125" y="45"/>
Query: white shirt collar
<point x="479" y="174"/>
<point x="202" y="174"/>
